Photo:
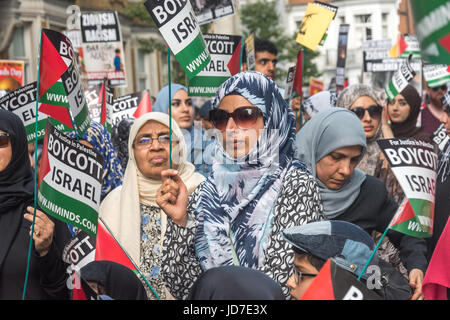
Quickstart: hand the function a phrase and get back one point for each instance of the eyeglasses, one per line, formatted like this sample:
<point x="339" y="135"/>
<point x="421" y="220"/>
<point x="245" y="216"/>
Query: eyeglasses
<point x="147" y="141"/>
<point x="374" y="111"/>
<point x="443" y="88"/>
<point x="4" y="139"/>
<point x="298" y="275"/>
<point x="244" y="117"/>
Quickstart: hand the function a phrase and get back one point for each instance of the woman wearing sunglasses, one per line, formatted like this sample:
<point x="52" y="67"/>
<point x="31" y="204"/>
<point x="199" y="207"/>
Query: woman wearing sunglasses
<point x="47" y="276"/>
<point x="363" y="101"/>
<point x="255" y="190"/>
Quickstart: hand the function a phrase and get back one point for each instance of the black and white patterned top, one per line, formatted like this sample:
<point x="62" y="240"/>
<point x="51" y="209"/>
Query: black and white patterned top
<point x="298" y="203"/>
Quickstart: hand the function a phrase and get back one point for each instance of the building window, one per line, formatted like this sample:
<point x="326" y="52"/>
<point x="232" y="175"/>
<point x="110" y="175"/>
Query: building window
<point x="18" y="43"/>
<point x="142" y="75"/>
<point x="384" y="24"/>
<point x="363" y="27"/>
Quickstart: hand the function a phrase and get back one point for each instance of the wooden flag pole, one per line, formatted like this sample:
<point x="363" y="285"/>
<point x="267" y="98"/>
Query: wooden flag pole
<point x="170" y="110"/>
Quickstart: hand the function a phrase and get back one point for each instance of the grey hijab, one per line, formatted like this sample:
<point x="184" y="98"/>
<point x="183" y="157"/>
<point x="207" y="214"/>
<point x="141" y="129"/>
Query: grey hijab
<point x="327" y="131"/>
<point x="347" y="97"/>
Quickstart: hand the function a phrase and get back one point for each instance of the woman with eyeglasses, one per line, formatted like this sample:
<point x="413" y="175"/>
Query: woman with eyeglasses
<point x="331" y="144"/>
<point x="363" y="101"/>
<point x="198" y="149"/>
<point x="131" y="210"/>
<point x="255" y="190"/>
<point x="47" y="274"/>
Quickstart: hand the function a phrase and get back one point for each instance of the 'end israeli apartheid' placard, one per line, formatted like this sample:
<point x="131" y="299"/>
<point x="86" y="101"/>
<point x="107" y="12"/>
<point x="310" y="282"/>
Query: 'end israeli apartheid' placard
<point x="414" y="164"/>
<point x="178" y="25"/>
<point x="70" y="181"/>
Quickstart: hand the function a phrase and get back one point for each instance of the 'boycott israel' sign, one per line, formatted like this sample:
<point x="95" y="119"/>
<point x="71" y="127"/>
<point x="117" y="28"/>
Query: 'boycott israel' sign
<point x="414" y="164"/>
<point x="400" y="79"/>
<point x="178" y="25"/>
<point x="130" y="106"/>
<point x="70" y="181"/>
<point x="22" y="102"/>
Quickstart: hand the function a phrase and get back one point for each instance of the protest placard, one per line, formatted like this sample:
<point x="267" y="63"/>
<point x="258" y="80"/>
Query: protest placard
<point x="342" y="56"/>
<point x="432" y="26"/>
<point x="207" y="12"/>
<point x="22" y="102"/>
<point x="414" y="164"/>
<point x="11" y="76"/>
<point x="102" y="49"/>
<point x="436" y="74"/>
<point x="314" y="25"/>
<point x="250" y="51"/>
<point x="70" y="181"/>
<point x="400" y="79"/>
<point x="130" y="106"/>
<point x="289" y="83"/>
<point x="179" y="27"/>
<point x="59" y="89"/>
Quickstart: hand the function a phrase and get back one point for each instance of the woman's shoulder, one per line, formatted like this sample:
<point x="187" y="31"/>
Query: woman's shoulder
<point x="298" y="175"/>
<point x="112" y="200"/>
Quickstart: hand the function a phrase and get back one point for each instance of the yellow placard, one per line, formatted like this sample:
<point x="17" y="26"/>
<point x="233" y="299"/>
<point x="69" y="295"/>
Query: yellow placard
<point x="314" y="25"/>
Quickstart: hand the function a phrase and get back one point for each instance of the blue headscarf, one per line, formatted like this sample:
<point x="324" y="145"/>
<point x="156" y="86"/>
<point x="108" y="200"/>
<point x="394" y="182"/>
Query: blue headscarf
<point x="237" y="200"/>
<point x="197" y="151"/>
<point x="99" y="137"/>
<point x="162" y="102"/>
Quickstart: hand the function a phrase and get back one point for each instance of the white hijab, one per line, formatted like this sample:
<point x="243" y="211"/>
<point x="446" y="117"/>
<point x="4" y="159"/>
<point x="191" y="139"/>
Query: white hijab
<point x="121" y="208"/>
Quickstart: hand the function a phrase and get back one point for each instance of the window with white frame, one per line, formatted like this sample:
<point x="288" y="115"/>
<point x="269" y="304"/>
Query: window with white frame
<point x="384" y="24"/>
<point x="363" y="27"/>
<point x="141" y="72"/>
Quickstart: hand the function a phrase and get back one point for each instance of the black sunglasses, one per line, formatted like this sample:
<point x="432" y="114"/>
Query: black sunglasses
<point x="4" y="139"/>
<point x="244" y="117"/>
<point x="443" y="88"/>
<point x="374" y="111"/>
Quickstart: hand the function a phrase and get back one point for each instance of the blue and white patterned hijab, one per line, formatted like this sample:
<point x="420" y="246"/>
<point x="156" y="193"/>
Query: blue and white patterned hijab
<point x="100" y="138"/>
<point x="235" y="208"/>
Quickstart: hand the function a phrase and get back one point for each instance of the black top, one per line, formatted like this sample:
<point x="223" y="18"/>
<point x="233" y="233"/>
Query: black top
<point x="47" y="276"/>
<point x="373" y="210"/>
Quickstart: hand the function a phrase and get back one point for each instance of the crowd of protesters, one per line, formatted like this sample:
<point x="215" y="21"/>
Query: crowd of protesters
<point x="257" y="216"/>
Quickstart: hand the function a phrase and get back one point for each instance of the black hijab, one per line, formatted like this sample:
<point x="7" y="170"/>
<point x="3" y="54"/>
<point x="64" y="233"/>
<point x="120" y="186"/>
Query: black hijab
<point x="408" y="129"/>
<point x="16" y="182"/>
<point x="120" y="283"/>
<point x="235" y="283"/>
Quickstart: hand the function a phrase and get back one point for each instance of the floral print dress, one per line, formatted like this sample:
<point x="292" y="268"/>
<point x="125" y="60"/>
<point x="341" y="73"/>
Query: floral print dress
<point x="151" y="252"/>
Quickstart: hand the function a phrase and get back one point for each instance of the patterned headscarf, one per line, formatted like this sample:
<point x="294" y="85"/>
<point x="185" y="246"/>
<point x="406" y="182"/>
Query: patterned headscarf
<point x="99" y="137"/>
<point x="235" y="208"/>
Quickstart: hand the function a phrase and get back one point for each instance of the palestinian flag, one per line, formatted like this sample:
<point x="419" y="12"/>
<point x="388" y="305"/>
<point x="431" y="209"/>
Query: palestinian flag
<point x="336" y="283"/>
<point x="407" y="222"/>
<point x="144" y="106"/>
<point x="108" y="248"/>
<point x="59" y="89"/>
<point x="106" y="98"/>
<point x="298" y="77"/>
<point x="235" y="62"/>
<point x="399" y="47"/>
